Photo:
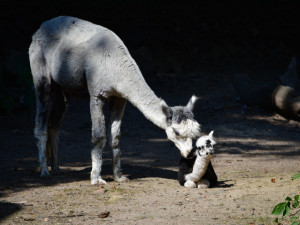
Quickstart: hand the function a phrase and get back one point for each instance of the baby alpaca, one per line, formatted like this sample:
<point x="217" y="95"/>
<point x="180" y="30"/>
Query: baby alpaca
<point x="196" y="170"/>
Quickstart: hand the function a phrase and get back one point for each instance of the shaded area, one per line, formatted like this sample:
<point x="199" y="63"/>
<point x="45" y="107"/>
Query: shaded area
<point x="7" y="209"/>
<point x="280" y="95"/>
<point x="146" y="152"/>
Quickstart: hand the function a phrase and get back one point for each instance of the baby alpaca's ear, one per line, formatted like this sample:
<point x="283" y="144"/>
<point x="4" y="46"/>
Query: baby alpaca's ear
<point x="211" y="134"/>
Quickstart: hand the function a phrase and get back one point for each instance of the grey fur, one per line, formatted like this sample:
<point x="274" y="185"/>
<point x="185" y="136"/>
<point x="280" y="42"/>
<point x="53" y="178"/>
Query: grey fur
<point x="180" y="114"/>
<point x="71" y="57"/>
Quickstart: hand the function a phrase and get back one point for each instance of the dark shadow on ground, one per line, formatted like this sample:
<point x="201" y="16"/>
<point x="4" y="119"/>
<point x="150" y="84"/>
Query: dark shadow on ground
<point x="223" y="184"/>
<point x="7" y="208"/>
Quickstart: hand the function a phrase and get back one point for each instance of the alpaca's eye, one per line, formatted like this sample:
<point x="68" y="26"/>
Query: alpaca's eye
<point x="176" y="133"/>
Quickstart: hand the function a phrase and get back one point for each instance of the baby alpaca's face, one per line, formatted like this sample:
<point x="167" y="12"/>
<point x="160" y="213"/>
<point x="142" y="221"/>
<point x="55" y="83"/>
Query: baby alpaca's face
<point x="205" y="145"/>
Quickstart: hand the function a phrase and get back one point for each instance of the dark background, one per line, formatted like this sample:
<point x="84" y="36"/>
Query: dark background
<point x="182" y="37"/>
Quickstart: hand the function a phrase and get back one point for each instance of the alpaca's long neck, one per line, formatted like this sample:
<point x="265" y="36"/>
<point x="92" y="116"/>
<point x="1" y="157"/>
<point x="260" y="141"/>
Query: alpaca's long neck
<point x="132" y="86"/>
<point x="149" y="104"/>
<point x="142" y="97"/>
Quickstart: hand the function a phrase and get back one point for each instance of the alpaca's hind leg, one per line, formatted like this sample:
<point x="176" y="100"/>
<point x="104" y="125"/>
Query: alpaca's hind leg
<point x="43" y="99"/>
<point x="57" y="113"/>
<point x="42" y="84"/>
<point x="116" y="107"/>
<point x="98" y="138"/>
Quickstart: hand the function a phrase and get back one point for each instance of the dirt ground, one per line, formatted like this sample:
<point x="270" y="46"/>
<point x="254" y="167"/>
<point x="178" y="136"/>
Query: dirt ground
<point x="256" y="155"/>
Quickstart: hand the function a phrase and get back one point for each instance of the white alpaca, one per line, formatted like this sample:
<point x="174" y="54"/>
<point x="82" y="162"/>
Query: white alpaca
<point x="196" y="170"/>
<point x="73" y="57"/>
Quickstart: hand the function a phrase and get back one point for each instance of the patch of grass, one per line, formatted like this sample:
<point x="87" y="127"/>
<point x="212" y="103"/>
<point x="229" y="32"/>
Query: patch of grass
<point x="283" y="209"/>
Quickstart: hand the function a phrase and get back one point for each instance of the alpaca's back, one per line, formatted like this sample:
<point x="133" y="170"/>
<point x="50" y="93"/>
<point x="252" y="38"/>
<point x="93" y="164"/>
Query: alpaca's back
<point x="74" y="28"/>
<point x="70" y="29"/>
<point x="78" y="53"/>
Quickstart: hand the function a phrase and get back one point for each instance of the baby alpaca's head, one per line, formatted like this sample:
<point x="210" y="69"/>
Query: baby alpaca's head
<point x="205" y="145"/>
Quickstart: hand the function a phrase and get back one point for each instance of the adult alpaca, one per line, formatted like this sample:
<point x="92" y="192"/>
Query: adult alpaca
<point x="68" y="57"/>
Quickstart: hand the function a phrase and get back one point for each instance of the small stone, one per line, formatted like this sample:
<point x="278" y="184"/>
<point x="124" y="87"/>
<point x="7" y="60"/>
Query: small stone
<point x="104" y="214"/>
<point x="29" y="219"/>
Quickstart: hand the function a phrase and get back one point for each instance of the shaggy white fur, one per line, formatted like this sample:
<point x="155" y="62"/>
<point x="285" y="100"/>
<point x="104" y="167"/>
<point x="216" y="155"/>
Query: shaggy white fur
<point x="204" y="153"/>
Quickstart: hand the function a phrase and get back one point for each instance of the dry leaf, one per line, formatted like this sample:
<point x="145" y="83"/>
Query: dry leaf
<point x="104" y="214"/>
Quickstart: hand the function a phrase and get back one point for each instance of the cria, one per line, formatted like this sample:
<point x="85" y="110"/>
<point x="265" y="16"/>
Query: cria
<point x="196" y="170"/>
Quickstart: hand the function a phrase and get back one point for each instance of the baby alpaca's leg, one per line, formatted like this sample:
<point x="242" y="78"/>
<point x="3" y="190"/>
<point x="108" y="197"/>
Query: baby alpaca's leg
<point x="190" y="184"/>
<point x="203" y="183"/>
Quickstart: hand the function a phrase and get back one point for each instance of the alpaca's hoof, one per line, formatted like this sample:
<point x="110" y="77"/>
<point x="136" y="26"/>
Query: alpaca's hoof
<point x="202" y="184"/>
<point x="98" y="180"/>
<point x="122" y="179"/>
<point x="190" y="184"/>
<point x="45" y="173"/>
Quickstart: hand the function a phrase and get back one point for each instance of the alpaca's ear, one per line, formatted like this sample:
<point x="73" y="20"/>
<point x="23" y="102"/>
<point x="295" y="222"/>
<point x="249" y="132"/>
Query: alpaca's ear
<point x="211" y="134"/>
<point x="191" y="103"/>
<point x="167" y="111"/>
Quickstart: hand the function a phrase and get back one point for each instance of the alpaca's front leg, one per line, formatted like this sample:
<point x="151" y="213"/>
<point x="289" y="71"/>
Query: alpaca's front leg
<point x="116" y="107"/>
<point x="190" y="184"/>
<point x="98" y="138"/>
<point x="97" y="165"/>
<point x="190" y="180"/>
<point x="191" y="176"/>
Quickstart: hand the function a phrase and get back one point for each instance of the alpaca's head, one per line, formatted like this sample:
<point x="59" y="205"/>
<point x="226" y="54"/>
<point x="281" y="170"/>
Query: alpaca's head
<point x="205" y="145"/>
<point x="182" y="128"/>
